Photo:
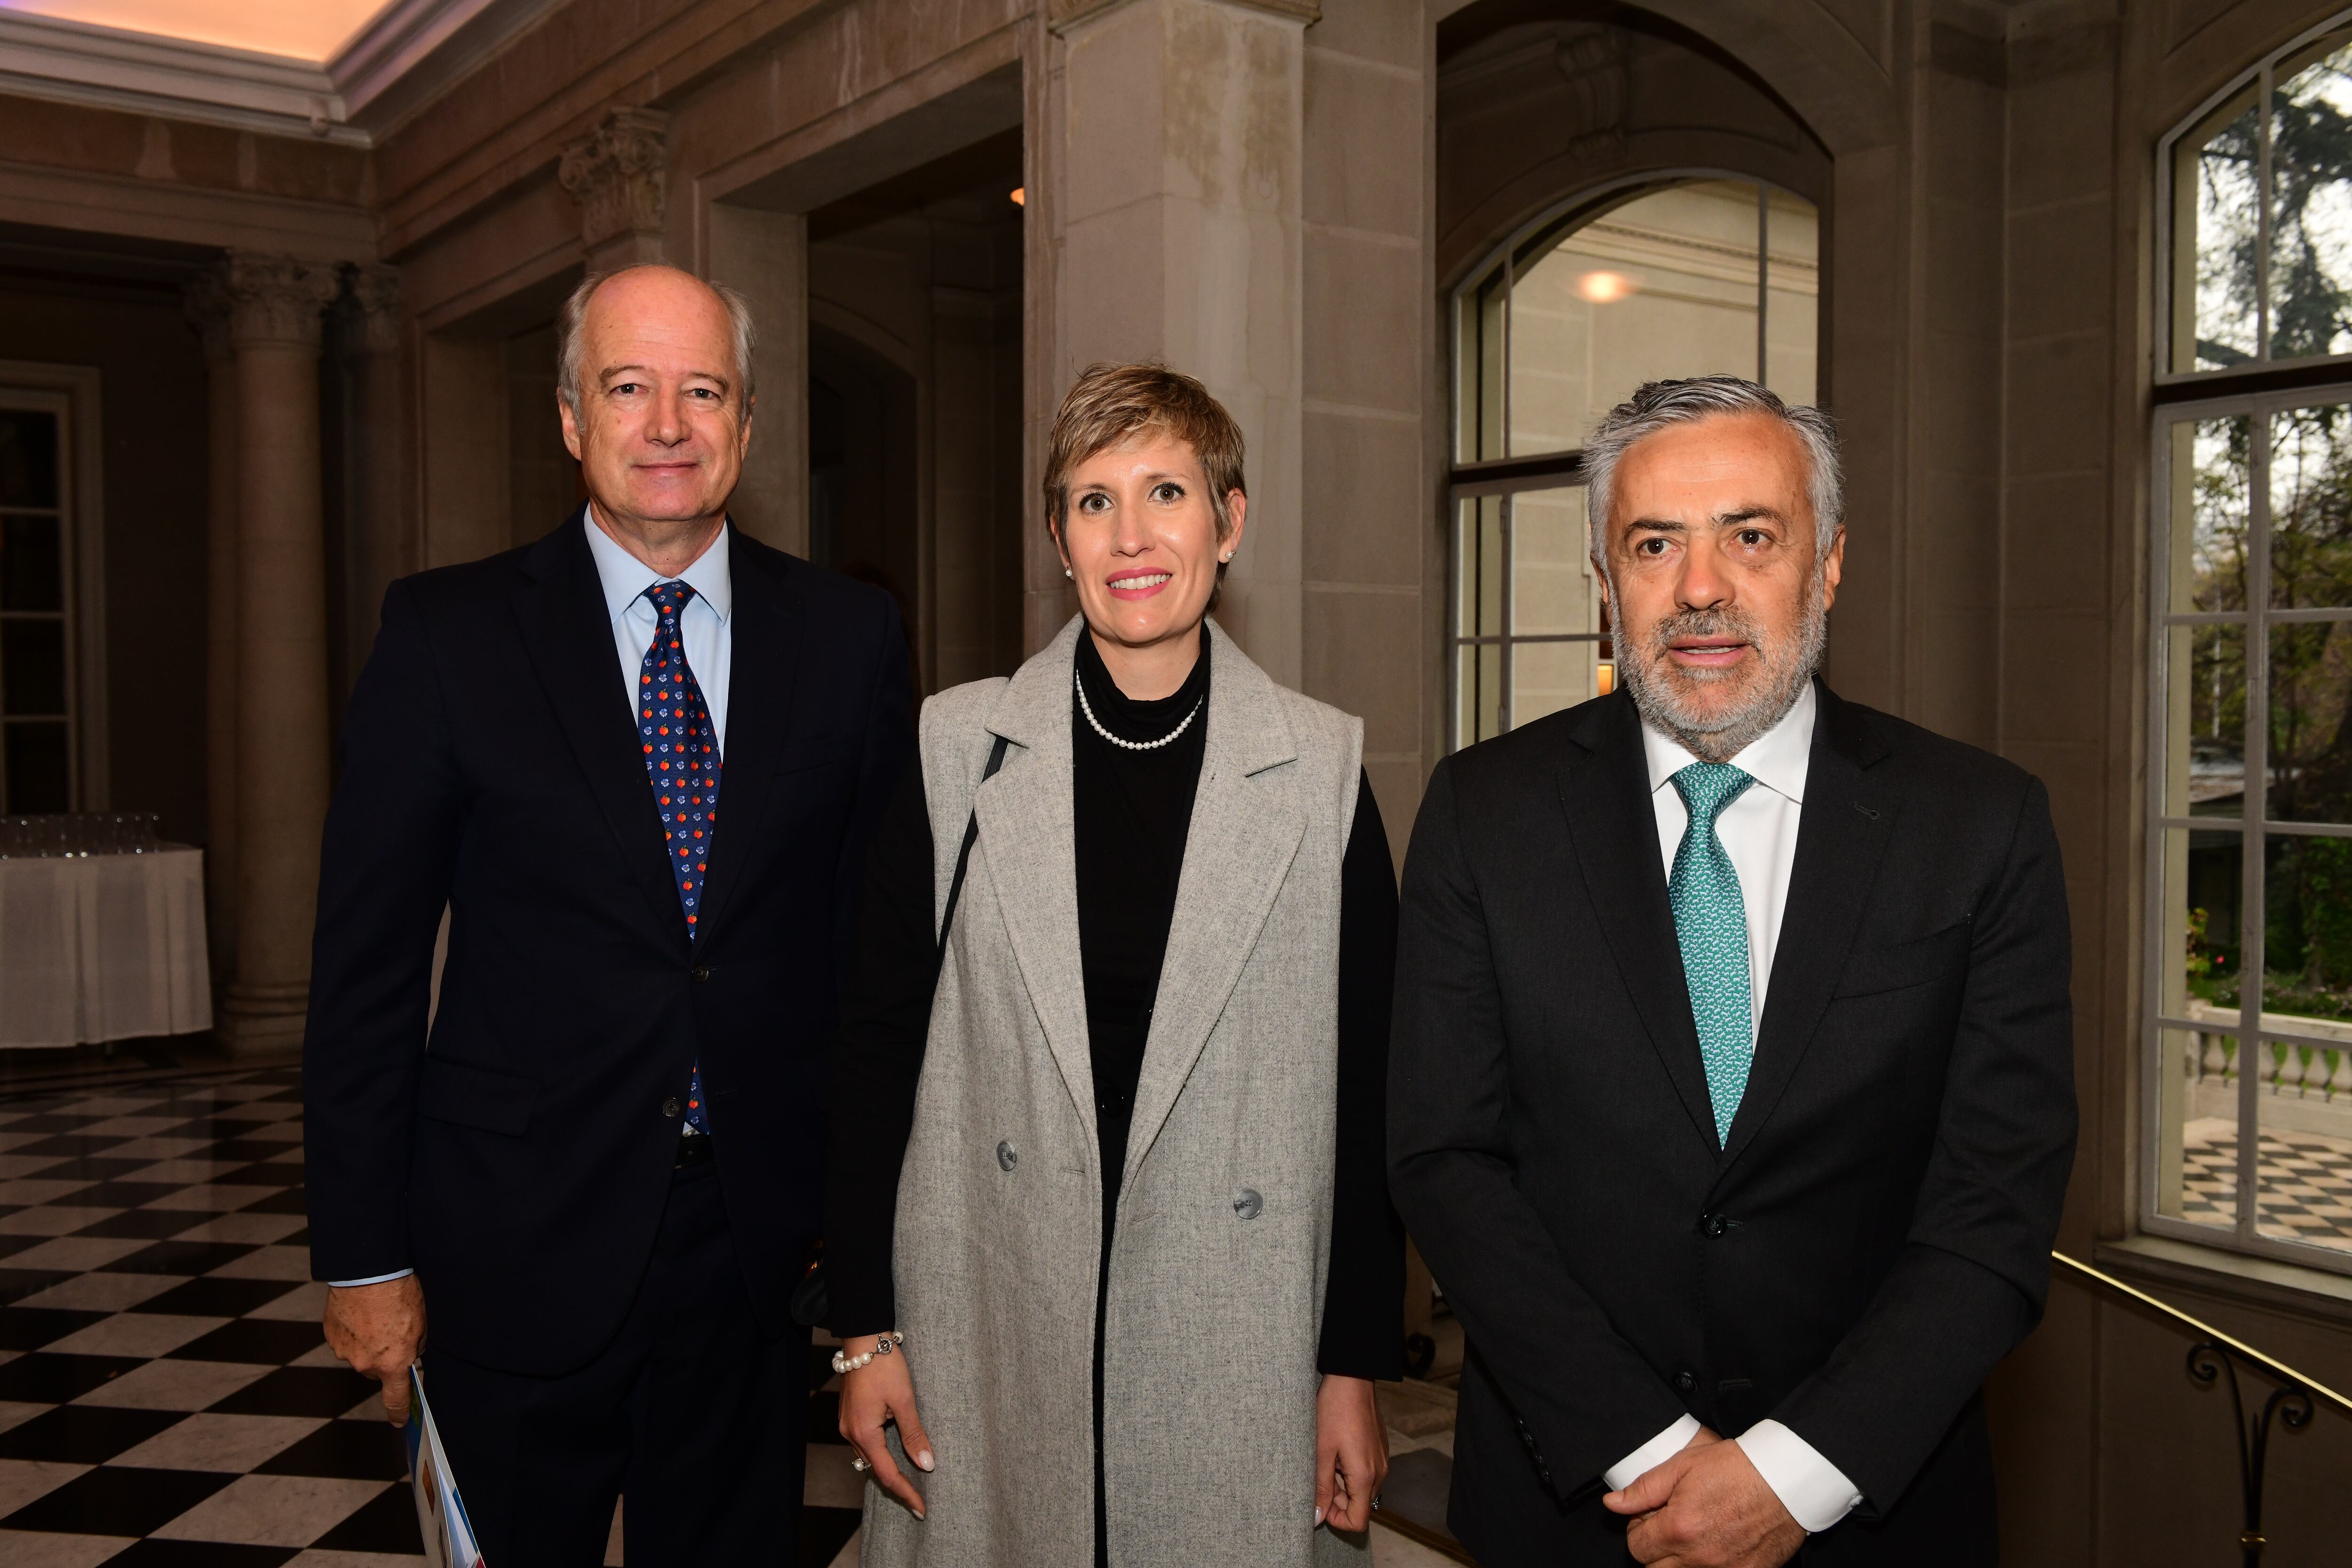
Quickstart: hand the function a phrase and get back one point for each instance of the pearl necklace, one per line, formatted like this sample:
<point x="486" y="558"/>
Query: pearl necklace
<point x="1087" y="709"/>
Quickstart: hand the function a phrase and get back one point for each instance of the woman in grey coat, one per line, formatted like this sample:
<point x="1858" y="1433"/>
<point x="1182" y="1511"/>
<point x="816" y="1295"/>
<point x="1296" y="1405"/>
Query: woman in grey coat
<point x="1110" y="1248"/>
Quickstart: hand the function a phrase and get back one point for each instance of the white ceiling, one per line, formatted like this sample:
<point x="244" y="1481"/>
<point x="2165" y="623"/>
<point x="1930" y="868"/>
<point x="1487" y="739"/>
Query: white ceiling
<point x="312" y="31"/>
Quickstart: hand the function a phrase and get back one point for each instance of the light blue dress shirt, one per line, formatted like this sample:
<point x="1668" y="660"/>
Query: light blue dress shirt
<point x="704" y="628"/>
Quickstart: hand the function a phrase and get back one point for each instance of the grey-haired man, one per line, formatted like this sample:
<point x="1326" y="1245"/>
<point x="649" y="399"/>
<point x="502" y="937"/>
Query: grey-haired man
<point x="1732" y="1088"/>
<point x="601" y="1172"/>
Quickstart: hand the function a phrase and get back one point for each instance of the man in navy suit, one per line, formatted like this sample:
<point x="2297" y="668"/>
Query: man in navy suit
<point x="636" y="762"/>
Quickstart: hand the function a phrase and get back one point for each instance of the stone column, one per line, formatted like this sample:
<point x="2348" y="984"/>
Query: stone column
<point x="765" y="255"/>
<point x="619" y="175"/>
<point x="1178" y="146"/>
<point x="379" y="547"/>
<point x="275" y="309"/>
<point x="208" y="309"/>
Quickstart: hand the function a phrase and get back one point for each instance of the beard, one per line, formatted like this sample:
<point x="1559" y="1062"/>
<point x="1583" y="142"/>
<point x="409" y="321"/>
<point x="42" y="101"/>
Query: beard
<point x="1755" y="696"/>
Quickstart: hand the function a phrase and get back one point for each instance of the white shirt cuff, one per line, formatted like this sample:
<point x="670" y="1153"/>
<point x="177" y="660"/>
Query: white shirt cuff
<point x="372" y="1279"/>
<point x="1814" y="1491"/>
<point x="1651" y="1455"/>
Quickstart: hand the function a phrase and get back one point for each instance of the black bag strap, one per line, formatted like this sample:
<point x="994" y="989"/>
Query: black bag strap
<point x="964" y="861"/>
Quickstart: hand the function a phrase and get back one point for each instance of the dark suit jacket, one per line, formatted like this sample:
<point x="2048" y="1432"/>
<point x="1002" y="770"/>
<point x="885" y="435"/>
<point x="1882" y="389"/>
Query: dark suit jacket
<point x="490" y="762"/>
<point x="1874" y="1236"/>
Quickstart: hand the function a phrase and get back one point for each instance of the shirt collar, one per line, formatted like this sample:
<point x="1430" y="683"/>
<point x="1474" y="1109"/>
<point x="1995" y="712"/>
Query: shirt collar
<point x="1777" y="759"/>
<point x="626" y="578"/>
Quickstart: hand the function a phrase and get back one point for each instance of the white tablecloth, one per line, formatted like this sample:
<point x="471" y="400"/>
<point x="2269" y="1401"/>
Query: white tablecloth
<point x="102" y="947"/>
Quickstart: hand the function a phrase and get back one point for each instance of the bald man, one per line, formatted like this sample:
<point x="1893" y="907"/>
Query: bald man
<point x="595" y="1165"/>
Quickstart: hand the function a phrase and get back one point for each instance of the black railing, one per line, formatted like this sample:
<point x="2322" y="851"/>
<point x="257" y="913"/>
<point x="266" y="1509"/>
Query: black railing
<point x="2214" y="1358"/>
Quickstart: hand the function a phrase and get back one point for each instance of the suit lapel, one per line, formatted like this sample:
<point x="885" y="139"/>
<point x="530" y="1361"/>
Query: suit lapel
<point x="1605" y="794"/>
<point x="1028" y="837"/>
<point x="1242" y="838"/>
<point x="764" y="673"/>
<point x="1841" y="834"/>
<point x="564" y="623"/>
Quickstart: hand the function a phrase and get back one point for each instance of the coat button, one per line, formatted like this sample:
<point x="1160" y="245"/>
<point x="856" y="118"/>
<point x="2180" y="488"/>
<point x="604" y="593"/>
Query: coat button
<point x="1713" y="1225"/>
<point x="1249" y="1206"/>
<point x="701" y="973"/>
<point x="670" y="1106"/>
<point x="1685" y="1381"/>
<point x="1007" y="1156"/>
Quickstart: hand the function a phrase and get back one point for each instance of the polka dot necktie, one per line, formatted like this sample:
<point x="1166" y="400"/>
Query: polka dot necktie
<point x="1711" y="925"/>
<point x="682" y="760"/>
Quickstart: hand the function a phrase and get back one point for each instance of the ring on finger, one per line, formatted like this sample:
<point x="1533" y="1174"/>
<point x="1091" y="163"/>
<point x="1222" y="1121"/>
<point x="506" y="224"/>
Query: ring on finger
<point x="859" y="1463"/>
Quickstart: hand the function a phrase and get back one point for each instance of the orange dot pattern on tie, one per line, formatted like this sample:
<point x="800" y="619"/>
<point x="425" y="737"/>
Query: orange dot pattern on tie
<point x="682" y="762"/>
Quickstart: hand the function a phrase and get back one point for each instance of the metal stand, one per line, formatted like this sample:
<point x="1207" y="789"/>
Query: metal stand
<point x="2208" y="1360"/>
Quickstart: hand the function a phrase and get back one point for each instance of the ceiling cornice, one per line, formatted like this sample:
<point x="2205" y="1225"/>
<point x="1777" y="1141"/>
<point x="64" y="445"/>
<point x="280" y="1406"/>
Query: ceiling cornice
<point x="73" y="62"/>
<point x="411" y="52"/>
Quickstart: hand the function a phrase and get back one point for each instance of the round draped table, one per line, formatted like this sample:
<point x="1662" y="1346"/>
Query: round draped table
<point x="102" y="947"/>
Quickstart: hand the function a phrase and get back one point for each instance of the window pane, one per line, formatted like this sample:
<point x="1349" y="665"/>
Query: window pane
<point x="2197" y="1151"/>
<point x="2303" y="1088"/>
<point x="1793" y="331"/>
<point x="2306" y="933"/>
<point x="29" y="458"/>
<point x="2311" y="210"/>
<point x="1546" y="676"/>
<point x="1665" y="285"/>
<point x="2311" y="508"/>
<point x="1552" y="587"/>
<point x="1478" y="568"/>
<point x="2204" y="878"/>
<point x="2211" y="509"/>
<point x="2205" y="728"/>
<point x="2216" y="207"/>
<point x="1479" y="711"/>
<point x="32" y="667"/>
<point x="2310" y="748"/>
<point x="35" y="771"/>
<point x="1480" y="373"/>
<point x="32" y="568"/>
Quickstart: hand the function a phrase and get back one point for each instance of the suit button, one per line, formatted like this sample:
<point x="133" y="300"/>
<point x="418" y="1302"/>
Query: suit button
<point x="1249" y="1206"/>
<point x="702" y="972"/>
<point x="1685" y="1381"/>
<point x="1713" y="1225"/>
<point x="1007" y="1156"/>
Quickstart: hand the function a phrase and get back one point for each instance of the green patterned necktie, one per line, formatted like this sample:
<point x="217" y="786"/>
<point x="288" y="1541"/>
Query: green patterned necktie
<point x="1711" y="924"/>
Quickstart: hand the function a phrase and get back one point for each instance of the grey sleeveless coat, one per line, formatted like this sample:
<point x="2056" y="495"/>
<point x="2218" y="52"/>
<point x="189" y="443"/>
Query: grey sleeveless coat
<point x="1224" y="1227"/>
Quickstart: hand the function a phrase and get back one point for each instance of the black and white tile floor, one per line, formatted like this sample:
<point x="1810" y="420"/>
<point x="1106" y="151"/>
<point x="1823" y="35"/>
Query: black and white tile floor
<point x="166" y="1400"/>
<point x="2307" y="1182"/>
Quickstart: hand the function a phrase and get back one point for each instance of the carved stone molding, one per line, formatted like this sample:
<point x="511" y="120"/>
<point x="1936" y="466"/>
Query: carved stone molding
<point x="206" y="300"/>
<point x="1063" y="15"/>
<point x="619" y="175"/>
<point x="279" y="298"/>
<point x="1599" y="69"/>
<point x="372" y="309"/>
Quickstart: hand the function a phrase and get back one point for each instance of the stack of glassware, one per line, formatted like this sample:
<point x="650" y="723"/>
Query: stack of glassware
<point x="79" y="834"/>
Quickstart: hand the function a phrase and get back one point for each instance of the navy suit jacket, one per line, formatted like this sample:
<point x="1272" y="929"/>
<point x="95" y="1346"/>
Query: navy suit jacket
<point x="519" y="1161"/>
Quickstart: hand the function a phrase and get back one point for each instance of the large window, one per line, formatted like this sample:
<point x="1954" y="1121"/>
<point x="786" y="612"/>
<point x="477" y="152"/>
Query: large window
<point x="2249" y="997"/>
<point x="1682" y="276"/>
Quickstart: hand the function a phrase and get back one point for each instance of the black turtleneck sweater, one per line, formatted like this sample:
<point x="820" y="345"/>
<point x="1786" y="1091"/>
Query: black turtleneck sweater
<point x="1133" y="812"/>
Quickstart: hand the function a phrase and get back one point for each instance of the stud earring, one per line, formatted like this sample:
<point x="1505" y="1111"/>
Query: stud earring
<point x="1228" y="555"/>
<point x="1070" y="575"/>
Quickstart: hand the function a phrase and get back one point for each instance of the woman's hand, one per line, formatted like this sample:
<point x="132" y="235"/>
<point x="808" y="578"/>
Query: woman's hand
<point x="883" y="1389"/>
<point x="1351" y="1453"/>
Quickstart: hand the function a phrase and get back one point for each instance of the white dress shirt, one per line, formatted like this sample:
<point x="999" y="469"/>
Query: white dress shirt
<point x="1758" y="832"/>
<point x="704" y="628"/>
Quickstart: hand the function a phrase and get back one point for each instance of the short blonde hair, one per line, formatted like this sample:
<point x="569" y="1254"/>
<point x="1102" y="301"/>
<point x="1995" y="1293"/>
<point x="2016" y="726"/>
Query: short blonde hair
<point x="1114" y="402"/>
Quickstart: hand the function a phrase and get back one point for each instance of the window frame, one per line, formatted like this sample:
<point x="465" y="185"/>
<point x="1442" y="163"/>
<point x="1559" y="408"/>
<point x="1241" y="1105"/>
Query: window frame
<point x="2262" y="373"/>
<point x="1512" y="474"/>
<point x="73" y="392"/>
<point x="2259" y="404"/>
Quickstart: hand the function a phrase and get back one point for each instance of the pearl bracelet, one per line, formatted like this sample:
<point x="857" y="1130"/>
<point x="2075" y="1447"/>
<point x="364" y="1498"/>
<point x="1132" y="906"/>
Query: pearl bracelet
<point x="882" y="1346"/>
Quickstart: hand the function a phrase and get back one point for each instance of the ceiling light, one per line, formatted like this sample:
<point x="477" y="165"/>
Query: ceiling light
<point x="1606" y="288"/>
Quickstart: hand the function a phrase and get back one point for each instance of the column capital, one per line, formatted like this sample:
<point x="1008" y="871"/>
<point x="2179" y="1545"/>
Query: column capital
<point x="279" y="298"/>
<point x="373" y="311"/>
<point x="1062" y="16"/>
<point x="206" y="300"/>
<point x="618" y="173"/>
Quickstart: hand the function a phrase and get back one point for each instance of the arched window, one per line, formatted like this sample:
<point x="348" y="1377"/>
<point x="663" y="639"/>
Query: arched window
<point x="2250" y="843"/>
<point x="1683" y="276"/>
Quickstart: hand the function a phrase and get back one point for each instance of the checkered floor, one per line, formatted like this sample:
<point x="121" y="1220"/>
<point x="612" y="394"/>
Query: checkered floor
<point x="2307" y="1182"/>
<point x="165" y="1396"/>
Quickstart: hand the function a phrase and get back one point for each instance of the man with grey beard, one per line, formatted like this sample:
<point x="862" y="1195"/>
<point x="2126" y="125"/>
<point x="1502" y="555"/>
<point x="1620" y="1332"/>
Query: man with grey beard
<point x="1732" y="1086"/>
